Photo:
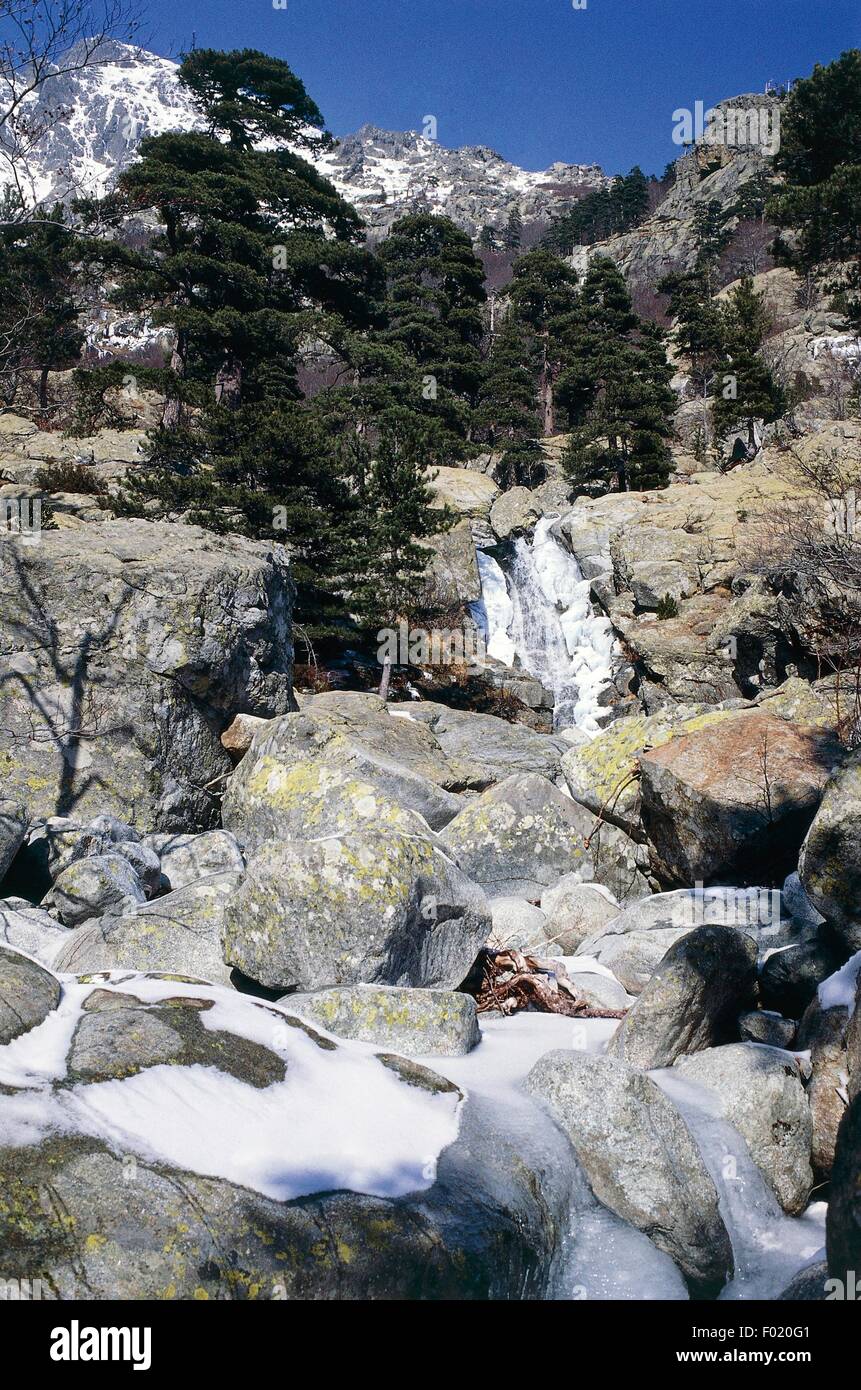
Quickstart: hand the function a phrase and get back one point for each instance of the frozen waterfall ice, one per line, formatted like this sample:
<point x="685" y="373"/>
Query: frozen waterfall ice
<point x="539" y="615"/>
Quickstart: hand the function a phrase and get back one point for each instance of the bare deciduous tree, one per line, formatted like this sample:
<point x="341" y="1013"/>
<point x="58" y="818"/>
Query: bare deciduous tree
<point x="841" y="383"/>
<point x="14" y="318"/>
<point x="42" y="41"/>
<point x="812" y="543"/>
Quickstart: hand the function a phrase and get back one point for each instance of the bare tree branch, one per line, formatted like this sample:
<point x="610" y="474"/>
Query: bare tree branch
<point x="41" y="42"/>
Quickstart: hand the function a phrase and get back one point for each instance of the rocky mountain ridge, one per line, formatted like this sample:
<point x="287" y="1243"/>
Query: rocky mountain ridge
<point x="108" y="109"/>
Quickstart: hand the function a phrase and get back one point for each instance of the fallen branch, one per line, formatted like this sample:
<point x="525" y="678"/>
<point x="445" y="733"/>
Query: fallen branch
<point x="512" y="982"/>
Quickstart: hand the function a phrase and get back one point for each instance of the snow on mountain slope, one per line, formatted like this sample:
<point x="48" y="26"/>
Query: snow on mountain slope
<point x="97" y="119"/>
<point x="385" y="173"/>
<point x="107" y="110"/>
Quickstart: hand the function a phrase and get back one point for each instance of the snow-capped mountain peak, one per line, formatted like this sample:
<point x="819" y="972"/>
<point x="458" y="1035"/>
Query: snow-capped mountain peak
<point x="97" y="117"/>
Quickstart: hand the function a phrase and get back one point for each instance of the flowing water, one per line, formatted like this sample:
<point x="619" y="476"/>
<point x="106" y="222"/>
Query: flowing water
<point x="538" y="614"/>
<point x="600" y="1256"/>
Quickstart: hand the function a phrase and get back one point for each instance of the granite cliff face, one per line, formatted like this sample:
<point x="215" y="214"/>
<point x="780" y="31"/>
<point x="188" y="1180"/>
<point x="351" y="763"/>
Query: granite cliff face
<point x="716" y="168"/>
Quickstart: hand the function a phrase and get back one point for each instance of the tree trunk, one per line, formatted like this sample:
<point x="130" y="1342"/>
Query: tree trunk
<point x="172" y="414"/>
<point x="387" y="676"/>
<point x="617" y="446"/>
<point x="43" y="389"/>
<point x="228" y="384"/>
<point x="545" y="392"/>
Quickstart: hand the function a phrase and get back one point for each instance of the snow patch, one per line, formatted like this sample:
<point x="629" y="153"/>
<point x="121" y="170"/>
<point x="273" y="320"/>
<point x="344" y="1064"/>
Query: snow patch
<point x="340" y="1118"/>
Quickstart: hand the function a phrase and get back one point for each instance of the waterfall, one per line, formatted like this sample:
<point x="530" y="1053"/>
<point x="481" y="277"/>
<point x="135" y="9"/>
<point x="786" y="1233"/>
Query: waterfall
<point x="539" y="615"/>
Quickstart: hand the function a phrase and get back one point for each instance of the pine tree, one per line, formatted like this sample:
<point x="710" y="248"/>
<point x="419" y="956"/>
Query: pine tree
<point x="698" y="333"/>
<point x="252" y="242"/>
<point x="820" y="159"/>
<point x="382" y="553"/>
<point x="543" y="295"/>
<point x="712" y="237"/>
<point x="753" y="197"/>
<point x="512" y="237"/>
<point x="434" y="324"/>
<point x="633" y="199"/>
<point x="617" y="391"/>
<point x="257" y="254"/>
<point x="604" y="212"/>
<point x="506" y="416"/>
<point x="488" y="239"/>
<point x="750" y="392"/>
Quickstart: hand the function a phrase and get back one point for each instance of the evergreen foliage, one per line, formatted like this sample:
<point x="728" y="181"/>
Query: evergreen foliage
<point x="39" y="281"/>
<point x="604" y="212"/>
<point x="820" y="160"/>
<point x="616" y="388"/>
<point x="750" y="393"/>
<point x="512" y="237"/>
<point x="506" y="416"/>
<point x="258" y="255"/>
<point x="543" y="295"/>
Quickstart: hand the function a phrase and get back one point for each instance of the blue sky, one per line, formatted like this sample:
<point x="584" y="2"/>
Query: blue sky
<point x="538" y="80"/>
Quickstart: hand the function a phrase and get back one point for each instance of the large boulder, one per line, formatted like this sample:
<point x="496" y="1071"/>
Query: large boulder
<point x="31" y="930"/>
<point x="822" y="1032"/>
<point x="299" y="778"/>
<point x="760" y="1092"/>
<point x="797" y="904"/>
<point x="180" y="932"/>
<point x="766" y="1026"/>
<point x="635" y="942"/>
<point x="692" y="1001"/>
<point x="640" y="1159"/>
<point x="733" y="800"/>
<point x="415" y="1022"/>
<point x="843" y="1227"/>
<point x="523" y="835"/>
<point x="516" y="923"/>
<point x="227" y="1171"/>
<point x="490" y="748"/>
<point x="653" y="581"/>
<point x="789" y="977"/>
<point x="120" y="1035"/>
<point x="831" y="1032"/>
<point x="515" y="512"/>
<point x="59" y="841"/>
<point x="463" y="490"/>
<point x="601" y="773"/>
<point x="13" y="829"/>
<point x="596" y="989"/>
<point x="185" y="858"/>
<point x="808" y="1286"/>
<point x="149" y="638"/>
<point x="451" y="577"/>
<point x="575" y="911"/>
<point x="373" y="906"/>
<point x="94" y="886"/>
<point x="145" y="863"/>
<point x="830" y="862"/>
<point x="311" y="800"/>
<point x="634" y="956"/>
<point x="28" y="993"/>
<point x="755" y="911"/>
